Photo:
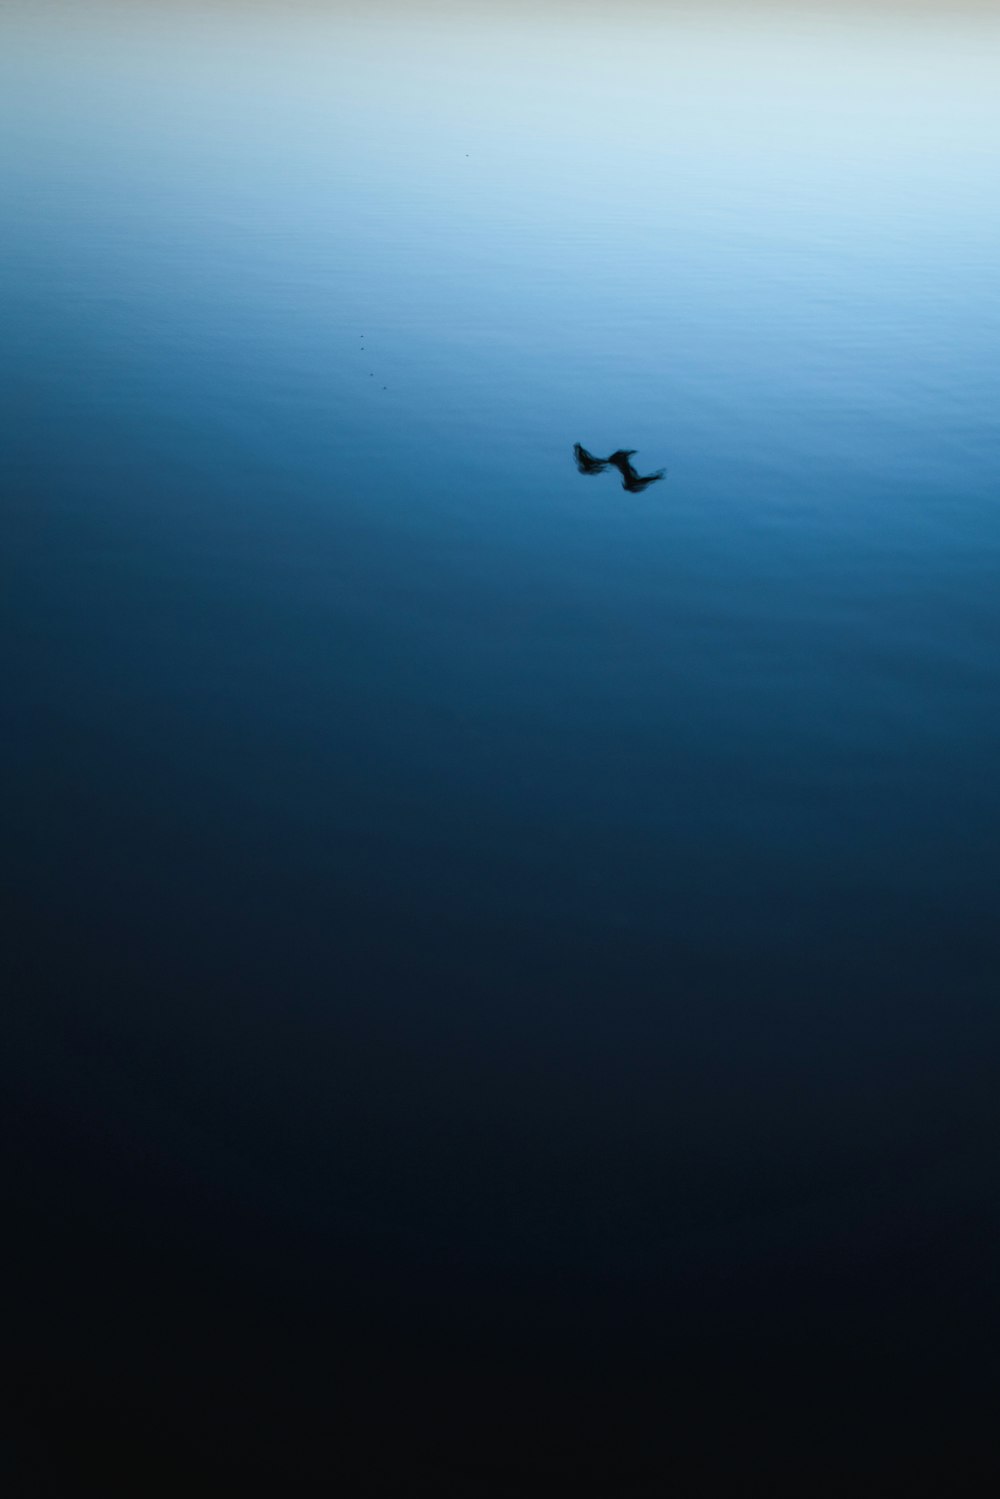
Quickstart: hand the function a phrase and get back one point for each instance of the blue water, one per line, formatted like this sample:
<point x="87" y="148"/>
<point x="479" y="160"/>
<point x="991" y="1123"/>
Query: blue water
<point x="457" y="903"/>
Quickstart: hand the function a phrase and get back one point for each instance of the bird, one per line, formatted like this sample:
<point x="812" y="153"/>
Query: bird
<point x="634" y="482"/>
<point x="586" y="462"/>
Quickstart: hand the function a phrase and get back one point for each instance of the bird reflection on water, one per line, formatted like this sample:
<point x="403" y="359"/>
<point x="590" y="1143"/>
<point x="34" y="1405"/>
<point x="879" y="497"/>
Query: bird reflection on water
<point x="621" y="459"/>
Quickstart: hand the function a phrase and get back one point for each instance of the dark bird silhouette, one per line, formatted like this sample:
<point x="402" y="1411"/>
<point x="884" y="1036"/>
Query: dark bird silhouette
<point x="586" y="462"/>
<point x="634" y="482"/>
<point x="621" y="459"/>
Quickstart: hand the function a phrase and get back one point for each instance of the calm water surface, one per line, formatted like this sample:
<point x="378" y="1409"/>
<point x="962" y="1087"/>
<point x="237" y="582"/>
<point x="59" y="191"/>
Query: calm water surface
<point x="457" y="903"/>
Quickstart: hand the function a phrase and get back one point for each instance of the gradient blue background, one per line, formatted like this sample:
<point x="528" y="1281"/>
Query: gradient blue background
<point x="473" y="928"/>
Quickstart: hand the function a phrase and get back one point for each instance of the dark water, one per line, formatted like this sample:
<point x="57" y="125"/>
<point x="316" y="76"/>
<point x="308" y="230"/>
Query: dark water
<point x="502" y="970"/>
